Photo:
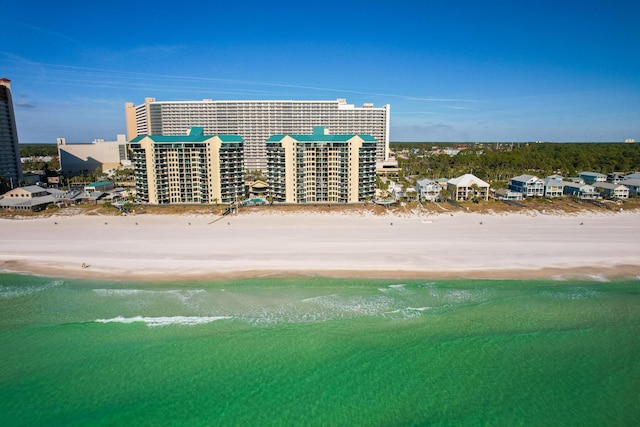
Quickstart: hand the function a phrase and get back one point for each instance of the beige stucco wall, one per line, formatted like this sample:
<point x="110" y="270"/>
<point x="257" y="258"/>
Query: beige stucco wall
<point x="78" y="157"/>
<point x="147" y="144"/>
<point x="130" y="117"/>
<point x="213" y="154"/>
<point x="289" y="145"/>
<point x="355" y="144"/>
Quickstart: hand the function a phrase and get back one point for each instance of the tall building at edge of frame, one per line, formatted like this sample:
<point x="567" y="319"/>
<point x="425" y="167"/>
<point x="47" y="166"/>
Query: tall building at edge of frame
<point x="256" y="121"/>
<point x="10" y="166"/>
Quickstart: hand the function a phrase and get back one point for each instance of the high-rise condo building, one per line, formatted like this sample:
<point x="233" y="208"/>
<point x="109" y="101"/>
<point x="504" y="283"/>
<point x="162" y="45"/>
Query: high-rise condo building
<point x="10" y="166"/>
<point x="321" y="167"/>
<point x="255" y="121"/>
<point x="193" y="168"/>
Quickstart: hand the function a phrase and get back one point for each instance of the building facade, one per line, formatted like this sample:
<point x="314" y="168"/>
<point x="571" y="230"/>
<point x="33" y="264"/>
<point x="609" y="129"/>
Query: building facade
<point x="468" y="187"/>
<point x="255" y="121"/>
<point x="321" y="167"/>
<point x="612" y="191"/>
<point x="428" y="190"/>
<point x="553" y="187"/>
<point x="528" y="185"/>
<point x="592" y="177"/>
<point x="28" y="199"/>
<point x="580" y="191"/>
<point x="10" y="166"/>
<point x="193" y="168"/>
<point x="86" y="158"/>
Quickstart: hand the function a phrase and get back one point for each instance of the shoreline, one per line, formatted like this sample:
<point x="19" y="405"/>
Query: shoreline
<point x="145" y="248"/>
<point x="588" y="273"/>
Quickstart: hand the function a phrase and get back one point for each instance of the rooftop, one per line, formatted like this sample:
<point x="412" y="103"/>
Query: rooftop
<point x="321" y="134"/>
<point x="196" y="134"/>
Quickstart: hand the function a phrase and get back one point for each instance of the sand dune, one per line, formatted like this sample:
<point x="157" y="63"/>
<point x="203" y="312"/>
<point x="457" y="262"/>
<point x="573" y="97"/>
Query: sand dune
<point x="253" y="243"/>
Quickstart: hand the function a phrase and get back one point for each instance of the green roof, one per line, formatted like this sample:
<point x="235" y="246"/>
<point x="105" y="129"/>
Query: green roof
<point x="196" y="134"/>
<point x="319" y="135"/>
<point x="99" y="184"/>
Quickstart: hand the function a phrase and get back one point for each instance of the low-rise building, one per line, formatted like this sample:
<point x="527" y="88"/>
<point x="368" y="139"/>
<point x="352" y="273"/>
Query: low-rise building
<point x="635" y="175"/>
<point x="102" y="186"/>
<point x="506" y="194"/>
<point x="592" y="177"/>
<point x="581" y="191"/>
<point x="30" y="199"/>
<point x="468" y="187"/>
<point x="633" y="184"/>
<point x="257" y="189"/>
<point x="614" y="178"/>
<point x="528" y="185"/>
<point x="388" y="168"/>
<point x="553" y="186"/>
<point x="613" y="191"/>
<point x="428" y="190"/>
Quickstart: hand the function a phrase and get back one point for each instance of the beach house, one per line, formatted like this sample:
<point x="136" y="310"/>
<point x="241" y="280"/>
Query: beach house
<point x="528" y="185"/>
<point x="506" y="194"/>
<point x="553" y="186"/>
<point x="633" y="184"/>
<point x="468" y="187"/>
<point x="612" y="191"/>
<point x="592" y="177"/>
<point x="581" y="191"/>
<point x="428" y="190"/>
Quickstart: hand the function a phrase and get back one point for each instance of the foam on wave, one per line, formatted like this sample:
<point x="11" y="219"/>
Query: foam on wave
<point x="20" y="291"/>
<point x="164" y="320"/>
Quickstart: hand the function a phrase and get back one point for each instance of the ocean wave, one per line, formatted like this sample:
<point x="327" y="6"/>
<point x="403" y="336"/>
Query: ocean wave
<point x="572" y="293"/>
<point x="21" y="291"/>
<point x="590" y="277"/>
<point x="399" y="287"/>
<point x="318" y="309"/>
<point x="128" y="292"/>
<point x="318" y="298"/>
<point x="164" y="320"/>
<point x="139" y="298"/>
<point x="407" y="312"/>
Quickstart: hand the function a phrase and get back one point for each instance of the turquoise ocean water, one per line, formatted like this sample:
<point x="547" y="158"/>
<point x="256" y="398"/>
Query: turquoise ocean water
<point x="318" y="351"/>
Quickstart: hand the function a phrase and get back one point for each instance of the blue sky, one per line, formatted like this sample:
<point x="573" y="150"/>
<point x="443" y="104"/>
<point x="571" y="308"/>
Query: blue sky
<point x="451" y="70"/>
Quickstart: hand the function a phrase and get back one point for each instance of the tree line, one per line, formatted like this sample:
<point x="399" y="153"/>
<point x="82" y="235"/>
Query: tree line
<point x="499" y="163"/>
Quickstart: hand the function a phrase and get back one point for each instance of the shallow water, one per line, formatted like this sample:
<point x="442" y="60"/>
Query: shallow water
<point x="318" y="351"/>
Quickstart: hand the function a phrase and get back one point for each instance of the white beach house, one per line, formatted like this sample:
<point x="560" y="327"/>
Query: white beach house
<point x="467" y="187"/>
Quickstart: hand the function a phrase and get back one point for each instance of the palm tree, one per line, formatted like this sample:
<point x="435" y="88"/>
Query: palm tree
<point x="444" y="194"/>
<point x="476" y="191"/>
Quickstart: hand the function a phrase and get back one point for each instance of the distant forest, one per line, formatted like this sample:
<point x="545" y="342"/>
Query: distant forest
<point x="33" y="150"/>
<point x="499" y="163"/>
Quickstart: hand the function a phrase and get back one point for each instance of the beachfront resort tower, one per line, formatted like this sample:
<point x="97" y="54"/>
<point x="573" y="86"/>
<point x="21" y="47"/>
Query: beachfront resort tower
<point x="256" y="121"/>
<point x="321" y="168"/>
<point x="10" y="166"/>
<point x="193" y="168"/>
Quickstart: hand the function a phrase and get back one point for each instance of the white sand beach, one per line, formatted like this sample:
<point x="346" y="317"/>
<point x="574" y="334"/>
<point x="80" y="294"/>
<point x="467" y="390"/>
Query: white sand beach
<point x="252" y="243"/>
